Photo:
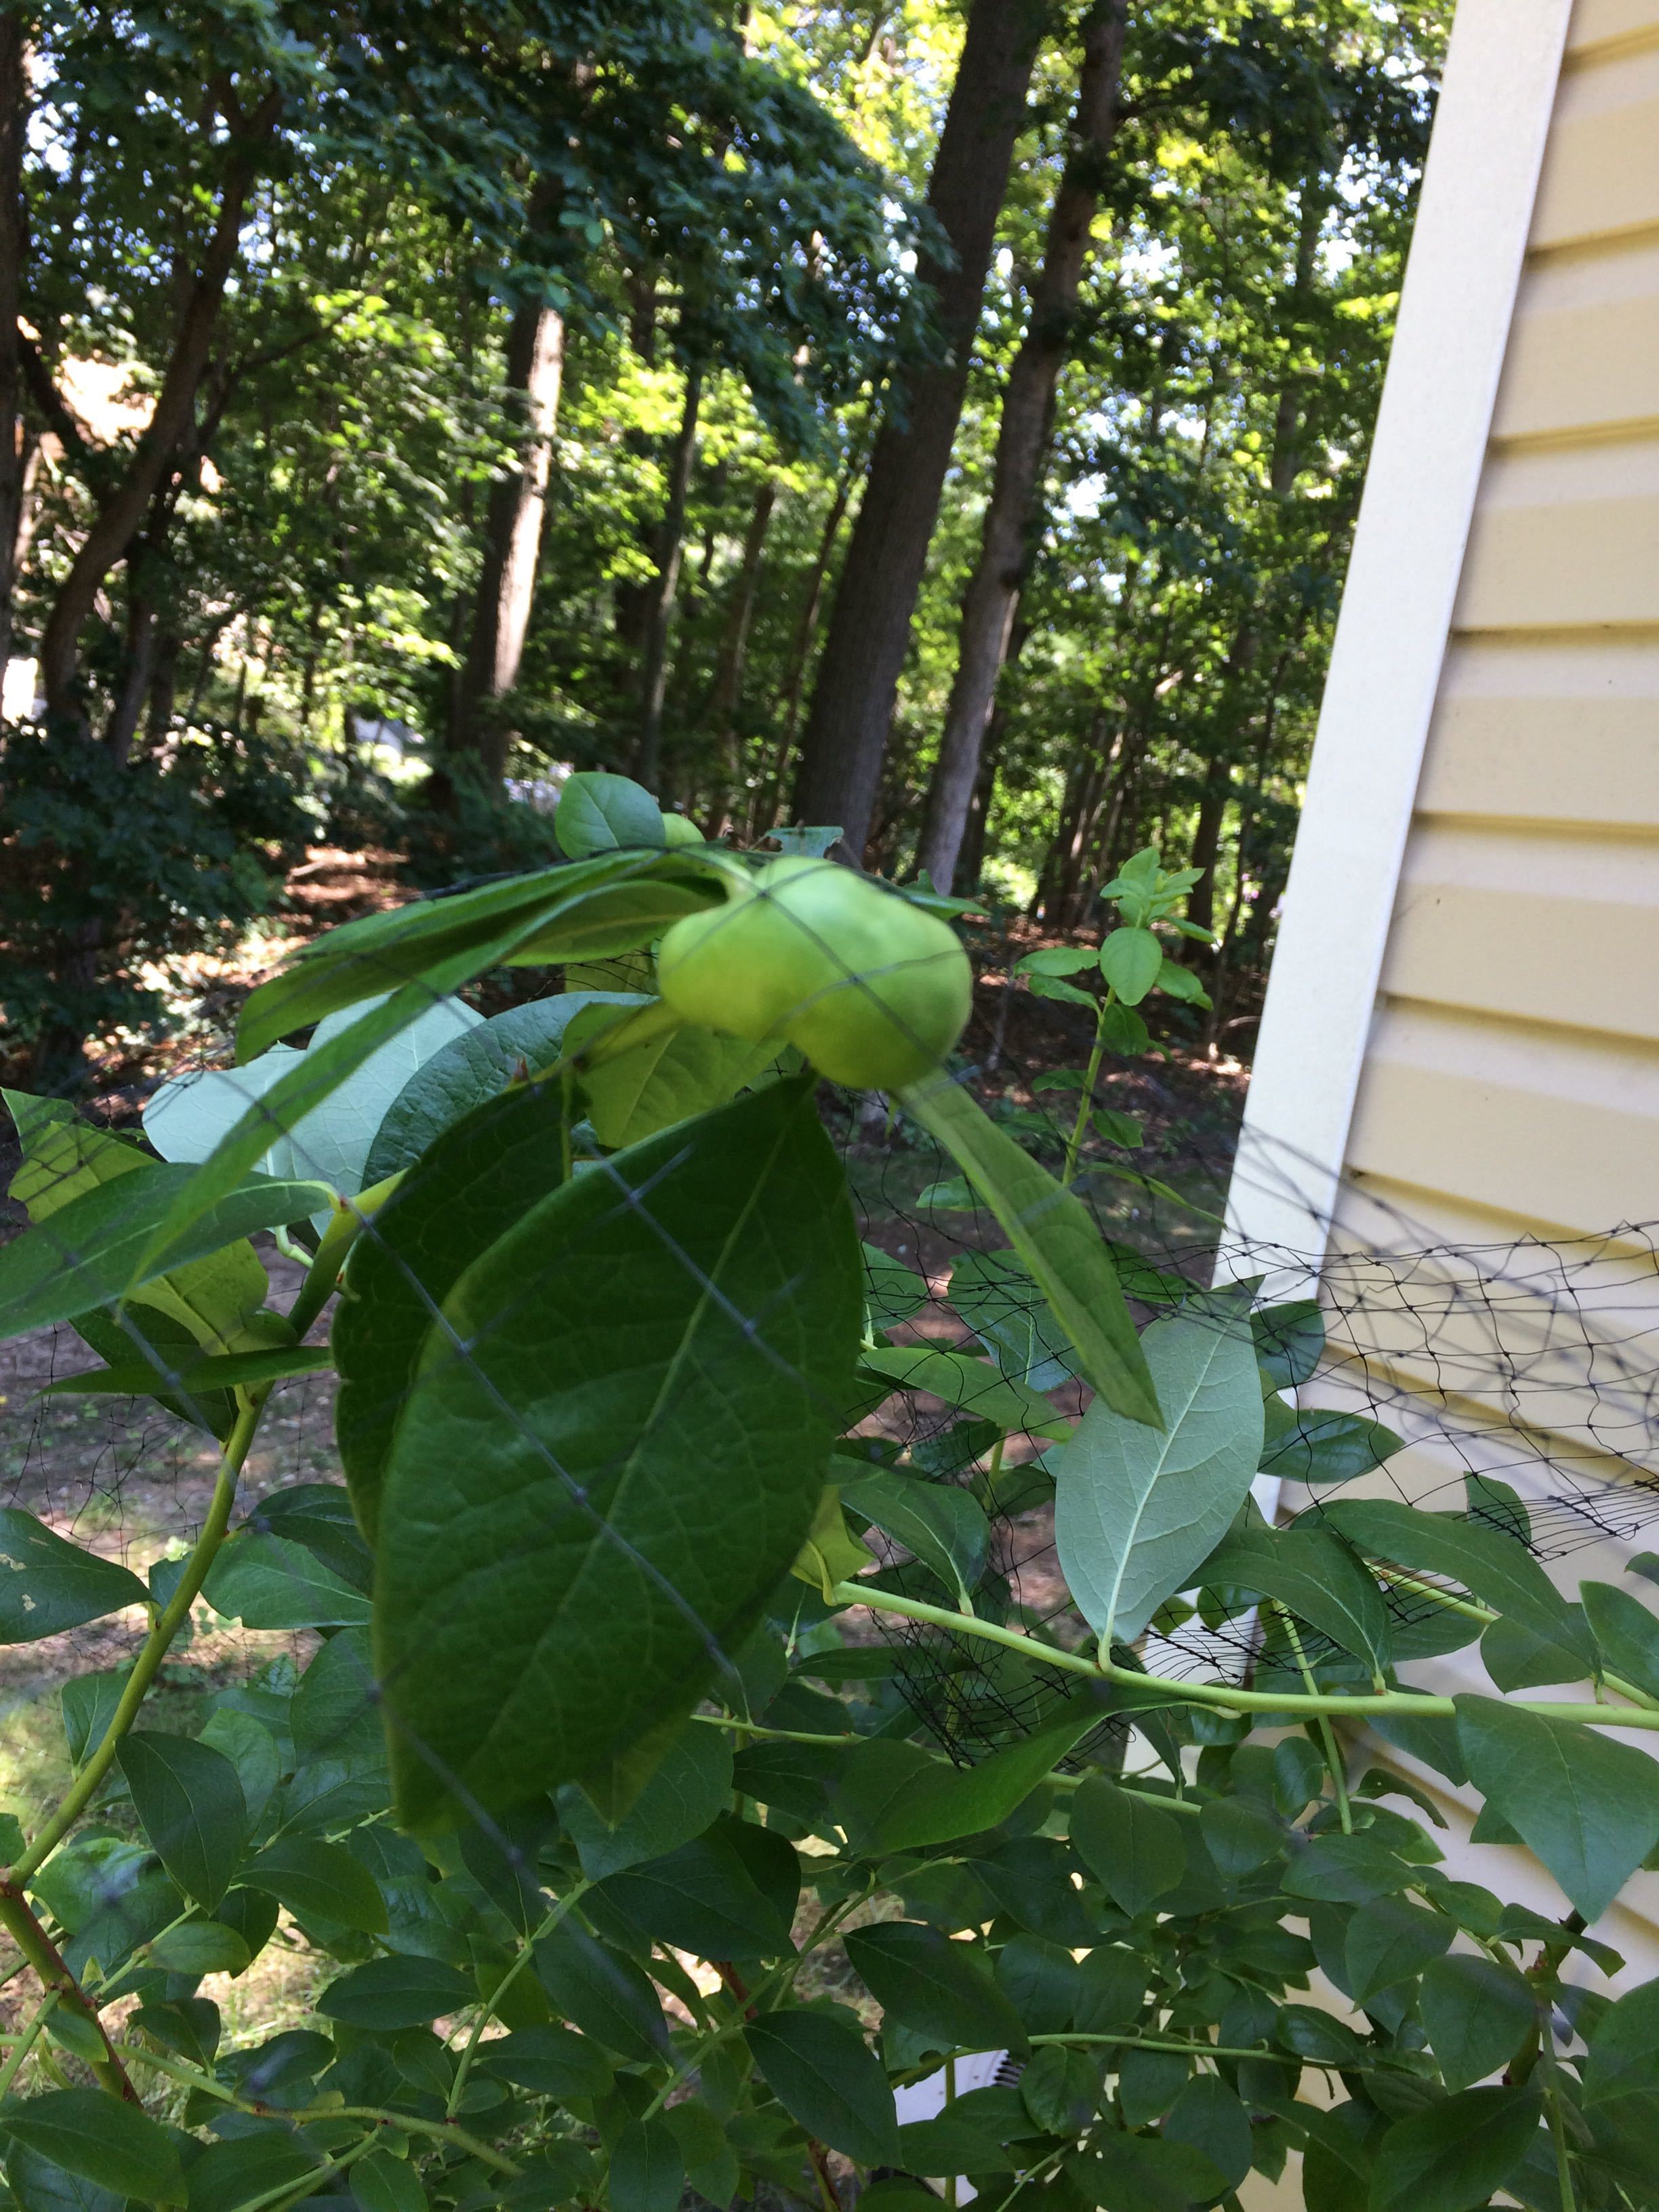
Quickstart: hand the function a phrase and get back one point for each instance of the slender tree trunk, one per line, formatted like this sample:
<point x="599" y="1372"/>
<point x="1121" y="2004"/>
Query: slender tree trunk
<point x="653" y="687"/>
<point x="870" y="626"/>
<point x="727" y="695"/>
<point x="123" y="507"/>
<point x="163" y="684"/>
<point x="970" y="861"/>
<point x="512" y="537"/>
<point x="14" y="112"/>
<point x="768" y="798"/>
<point x="1022" y="442"/>
<point x="1212" y="801"/>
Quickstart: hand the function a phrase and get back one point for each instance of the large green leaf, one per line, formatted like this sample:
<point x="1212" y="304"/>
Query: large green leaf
<point x="1390" y="1941"/>
<point x="47" y="1584"/>
<point x="601" y="1992"/>
<point x="828" y="2080"/>
<point x="703" y="1897"/>
<point x="1135" y="1850"/>
<point x="1501" y="1572"/>
<point x="1588" y="1808"/>
<point x="935" y="1986"/>
<point x="666" y="1075"/>
<point x="478" y="1180"/>
<point x="614" y="1450"/>
<point x="193" y="1377"/>
<point x="388" y="1994"/>
<point x="1314" y="1444"/>
<point x="1477" y="2012"/>
<point x="1627" y="1634"/>
<point x="319" y="1879"/>
<point x="479" y="1065"/>
<point x="1051" y="1231"/>
<point x="1621" y="2075"/>
<point x="895" y="1796"/>
<point x="598" y="812"/>
<point x="98" y="2137"/>
<point x="1137" y="1510"/>
<point x="268" y="1581"/>
<point x="1316" y="1578"/>
<point x="1451" y="2157"/>
<point x="689" y="1788"/>
<point x="191" y="1803"/>
<point x="118" y="1237"/>
<point x="944" y="1527"/>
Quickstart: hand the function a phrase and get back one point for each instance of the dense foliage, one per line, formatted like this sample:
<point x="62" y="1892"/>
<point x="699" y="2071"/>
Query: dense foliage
<point x="601" y="1756"/>
<point x="514" y="371"/>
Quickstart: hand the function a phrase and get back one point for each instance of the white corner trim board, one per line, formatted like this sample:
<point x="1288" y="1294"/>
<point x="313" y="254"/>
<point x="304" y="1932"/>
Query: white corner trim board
<point x="1456" y="303"/>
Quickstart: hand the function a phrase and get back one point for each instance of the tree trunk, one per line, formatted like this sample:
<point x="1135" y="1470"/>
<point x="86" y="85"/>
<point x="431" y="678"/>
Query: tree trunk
<point x="870" y="626"/>
<point x="513" y="538"/>
<point x="970" y="861"/>
<point x="14" y="112"/>
<point x="769" y="799"/>
<point x="1213" y="802"/>
<point x="1022" y="440"/>
<point x="670" y="541"/>
<point x="123" y="507"/>
<point x="728" y="695"/>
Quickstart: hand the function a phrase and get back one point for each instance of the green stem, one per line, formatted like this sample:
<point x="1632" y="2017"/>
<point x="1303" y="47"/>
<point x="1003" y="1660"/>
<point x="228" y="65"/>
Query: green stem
<point x="157" y="1644"/>
<point x="1558" y="2128"/>
<point x="1221" y="1694"/>
<point x="1194" y="2049"/>
<point x="26" y="2043"/>
<point x="19" y="1923"/>
<point x="1335" y="1765"/>
<point x="291" y="2192"/>
<point x="487" y="2010"/>
<point x="1485" y="1616"/>
<point x="1091" y="1076"/>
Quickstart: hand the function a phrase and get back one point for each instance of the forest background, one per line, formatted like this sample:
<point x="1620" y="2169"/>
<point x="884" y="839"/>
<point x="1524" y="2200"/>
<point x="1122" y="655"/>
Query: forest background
<point x="944" y="422"/>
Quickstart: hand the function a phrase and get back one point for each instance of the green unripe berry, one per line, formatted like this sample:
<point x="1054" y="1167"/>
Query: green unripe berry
<point x="872" y="989"/>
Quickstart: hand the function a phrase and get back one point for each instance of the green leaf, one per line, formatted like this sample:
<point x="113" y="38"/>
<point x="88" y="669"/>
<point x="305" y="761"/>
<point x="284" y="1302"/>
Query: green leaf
<point x="1588" y="1808"/>
<point x="1057" y="960"/>
<point x="943" y="1526"/>
<point x="189" y="1118"/>
<point x="122" y="1236"/>
<point x="47" y="1584"/>
<point x="381" y="2183"/>
<point x="1052" y="987"/>
<point x="1055" y="1235"/>
<point x="1389" y="1941"/>
<point x="687" y="1790"/>
<point x="1180" y="982"/>
<point x="822" y="2073"/>
<point x="1137" y="1510"/>
<point x="472" y="1068"/>
<point x="551" y="2062"/>
<point x="267" y="1580"/>
<point x="934" y="1985"/>
<point x="967" y="1385"/>
<point x="892" y="1292"/>
<point x="1136" y="1852"/>
<point x="629" y="1326"/>
<point x="1345" y="1870"/>
<point x="1130" y="960"/>
<point x="602" y="1993"/>
<point x="1311" y="1444"/>
<point x="1451" y="2157"/>
<point x="200" y="1946"/>
<point x="388" y="1994"/>
<point x="89" y="2133"/>
<point x="1316" y="1578"/>
<point x="1062" y="2090"/>
<point x="831" y="1553"/>
<point x="1477" y="2013"/>
<point x="900" y="1798"/>
<point x="1518" y="1659"/>
<point x="996" y="1294"/>
<point x="192" y="1808"/>
<point x="1124" y="1130"/>
<point x="1141" y="2173"/>
<point x="598" y="812"/>
<point x="647" y="2171"/>
<point x="1627" y="1634"/>
<point x="1208" y="2118"/>
<point x="318" y="1880"/>
<point x="478" y="1180"/>
<point x="193" y="1378"/>
<point x="1500" y="1573"/>
<point x="666" y="1076"/>
<point x="702" y="1897"/>
<point x="1621" y="2075"/>
<point x="1288" y="1339"/>
<point x="251" y="2168"/>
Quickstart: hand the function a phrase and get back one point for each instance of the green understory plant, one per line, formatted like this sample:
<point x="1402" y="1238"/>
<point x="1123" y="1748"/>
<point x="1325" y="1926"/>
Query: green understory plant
<point x="626" y="1867"/>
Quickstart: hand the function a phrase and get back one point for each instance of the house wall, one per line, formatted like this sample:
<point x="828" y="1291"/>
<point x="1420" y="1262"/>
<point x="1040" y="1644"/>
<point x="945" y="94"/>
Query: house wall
<point x="1507" y="1100"/>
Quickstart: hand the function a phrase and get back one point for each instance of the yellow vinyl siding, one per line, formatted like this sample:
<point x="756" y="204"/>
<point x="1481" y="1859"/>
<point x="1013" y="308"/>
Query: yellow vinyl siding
<point x="1511" y="1086"/>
